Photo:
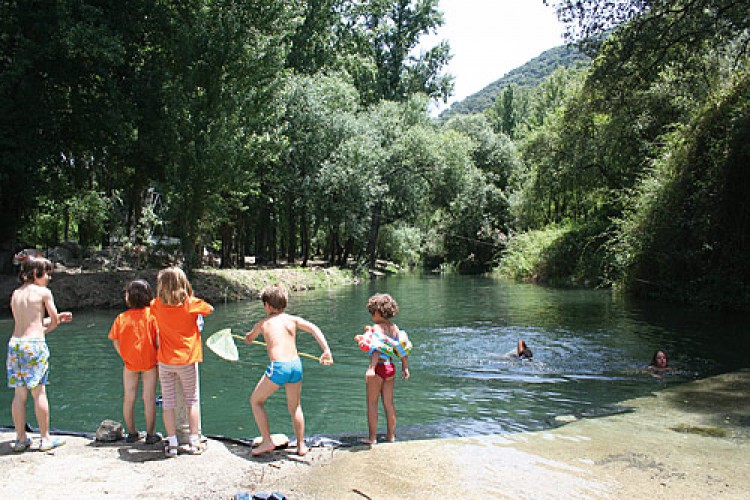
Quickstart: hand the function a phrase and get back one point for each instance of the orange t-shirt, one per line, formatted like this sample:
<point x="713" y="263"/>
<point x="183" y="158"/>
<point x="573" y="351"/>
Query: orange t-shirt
<point x="179" y="335"/>
<point x="137" y="331"/>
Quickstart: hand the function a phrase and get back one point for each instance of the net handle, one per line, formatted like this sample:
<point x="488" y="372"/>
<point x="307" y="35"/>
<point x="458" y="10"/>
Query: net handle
<point x="258" y="342"/>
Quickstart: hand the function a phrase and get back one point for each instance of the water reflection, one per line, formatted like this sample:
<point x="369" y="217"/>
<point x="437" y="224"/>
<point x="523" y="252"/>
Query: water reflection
<point x="589" y="348"/>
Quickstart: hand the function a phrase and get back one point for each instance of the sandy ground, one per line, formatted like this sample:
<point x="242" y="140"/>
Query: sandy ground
<point x="690" y="441"/>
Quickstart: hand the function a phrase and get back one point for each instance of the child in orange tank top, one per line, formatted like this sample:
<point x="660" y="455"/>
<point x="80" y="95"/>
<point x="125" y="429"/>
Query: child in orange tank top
<point x="134" y="336"/>
<point x="180" y="318"/>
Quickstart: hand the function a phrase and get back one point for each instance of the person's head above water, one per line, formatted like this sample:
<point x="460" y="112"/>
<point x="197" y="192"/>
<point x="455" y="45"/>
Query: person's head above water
<point x="523" y="350"/>
<point x="659" y="359"/>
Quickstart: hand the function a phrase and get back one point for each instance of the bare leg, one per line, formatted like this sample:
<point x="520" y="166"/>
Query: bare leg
<point x="130" y="386"/>
<point x="194" y="418"/>
<point x="390" y="408"/>
<point x="41" y="408"/>
<point x="170" y="424"/>
<point x="374" y="386"/>
<point x="18" y="409"/>
<point x="293" y="393"/>
<point x="150" y="378"/>
<point x="262" y="391"/>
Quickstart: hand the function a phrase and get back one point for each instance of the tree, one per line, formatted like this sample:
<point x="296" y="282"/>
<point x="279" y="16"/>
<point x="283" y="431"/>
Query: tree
<point x="319" y="115"/>
<point x="388" y="32"/>
<point x="224" y="61"/>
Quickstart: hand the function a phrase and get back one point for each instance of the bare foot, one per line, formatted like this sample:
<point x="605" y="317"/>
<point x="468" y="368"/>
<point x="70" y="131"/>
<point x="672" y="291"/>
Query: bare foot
<point x="263" y="447"/>
<point x="302" y="450"/>
<point x="369" y="441"/>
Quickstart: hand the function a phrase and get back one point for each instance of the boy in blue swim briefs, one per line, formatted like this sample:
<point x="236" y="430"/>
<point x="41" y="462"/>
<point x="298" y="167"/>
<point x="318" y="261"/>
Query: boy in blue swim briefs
<point x="285" y="369"/>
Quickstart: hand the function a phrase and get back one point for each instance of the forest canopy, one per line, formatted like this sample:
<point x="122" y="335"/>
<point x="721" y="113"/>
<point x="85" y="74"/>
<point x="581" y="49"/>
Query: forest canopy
<point x="292" y="131"/>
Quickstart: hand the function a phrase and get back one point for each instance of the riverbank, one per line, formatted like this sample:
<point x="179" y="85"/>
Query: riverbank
<point x="75" y="290"/>
<point x="688" y="441"/>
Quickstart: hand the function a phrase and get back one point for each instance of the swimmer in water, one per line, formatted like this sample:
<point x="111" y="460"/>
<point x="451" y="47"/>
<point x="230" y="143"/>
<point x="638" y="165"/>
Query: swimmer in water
<point x="521" y="351"/>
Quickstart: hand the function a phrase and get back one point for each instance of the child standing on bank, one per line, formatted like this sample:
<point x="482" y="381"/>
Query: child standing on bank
<point x="180" y="318"/>
<point x="134" y="335"/>
<point x="386" y="340"/>
<point x="285" y="368"/>
<point x="28" y="355"/>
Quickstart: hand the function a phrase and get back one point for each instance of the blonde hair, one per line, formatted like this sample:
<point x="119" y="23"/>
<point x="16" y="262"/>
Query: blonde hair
<point x="173" y="287"/>
<point x="384" y="304"/>
<point x="275" y="296"/>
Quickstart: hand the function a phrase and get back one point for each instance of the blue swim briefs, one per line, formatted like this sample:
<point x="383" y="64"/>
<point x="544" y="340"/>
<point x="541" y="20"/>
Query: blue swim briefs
<point x="285" y="372"/>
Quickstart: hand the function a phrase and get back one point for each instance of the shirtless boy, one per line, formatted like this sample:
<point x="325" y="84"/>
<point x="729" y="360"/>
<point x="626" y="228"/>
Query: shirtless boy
<point x="285" y="369"/>
<point x="28" y="356"/>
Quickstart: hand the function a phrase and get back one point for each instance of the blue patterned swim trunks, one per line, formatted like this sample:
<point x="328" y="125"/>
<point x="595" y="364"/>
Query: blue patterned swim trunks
<point x="285" y="372"/>
<point x="27" y="363"/>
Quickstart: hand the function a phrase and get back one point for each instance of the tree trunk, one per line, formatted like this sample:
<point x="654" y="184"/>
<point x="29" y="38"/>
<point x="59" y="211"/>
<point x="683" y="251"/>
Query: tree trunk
<point x="291" y="236"/>
<point x="374" y="230"/>
<point x="305" y="236"/>
<point x="226" y="246"/>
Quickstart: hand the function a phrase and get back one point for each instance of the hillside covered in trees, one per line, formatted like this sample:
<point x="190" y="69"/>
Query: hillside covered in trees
<point x="528" y="75"/>
<point x="292" y="131"/>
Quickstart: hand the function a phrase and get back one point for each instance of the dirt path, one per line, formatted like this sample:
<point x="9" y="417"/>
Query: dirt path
<point x="691" y="441"/>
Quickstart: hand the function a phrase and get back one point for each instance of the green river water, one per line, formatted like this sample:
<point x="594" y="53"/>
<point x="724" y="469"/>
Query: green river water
<point x="589" y="350"/>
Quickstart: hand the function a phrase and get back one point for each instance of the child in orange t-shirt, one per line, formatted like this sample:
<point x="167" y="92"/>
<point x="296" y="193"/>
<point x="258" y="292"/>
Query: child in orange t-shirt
<point x="134" y="336"/>
<point x="180" y="319"/>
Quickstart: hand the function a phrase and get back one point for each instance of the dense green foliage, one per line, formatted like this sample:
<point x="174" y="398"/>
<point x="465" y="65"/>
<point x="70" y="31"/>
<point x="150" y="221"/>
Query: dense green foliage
<point x="526" y="76"/>
<point x="280" y="130"/>
<point x="296" y="130"/>
<point x="641" y="159"/>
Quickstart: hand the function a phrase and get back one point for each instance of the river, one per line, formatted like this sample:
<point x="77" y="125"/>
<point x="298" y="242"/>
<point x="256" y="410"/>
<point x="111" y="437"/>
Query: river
<point x="589" y="350"/>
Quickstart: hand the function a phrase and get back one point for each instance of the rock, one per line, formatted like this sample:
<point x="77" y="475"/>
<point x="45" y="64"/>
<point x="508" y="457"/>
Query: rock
<point x="565" y="419"/>
<point x="65" y="255"/>
<point x="109" y="431"/>
<point x="279" y="441"/>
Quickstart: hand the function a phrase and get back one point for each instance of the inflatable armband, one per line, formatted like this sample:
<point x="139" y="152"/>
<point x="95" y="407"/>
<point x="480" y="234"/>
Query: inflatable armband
<point x="372" y="341"/>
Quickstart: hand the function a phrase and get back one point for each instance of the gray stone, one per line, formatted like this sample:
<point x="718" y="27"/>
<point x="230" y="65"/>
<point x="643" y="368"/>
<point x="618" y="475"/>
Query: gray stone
<point x="109" y="430"/>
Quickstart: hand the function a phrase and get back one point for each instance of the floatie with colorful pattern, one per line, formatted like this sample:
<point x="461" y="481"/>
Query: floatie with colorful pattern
<point x="373" y="340"/>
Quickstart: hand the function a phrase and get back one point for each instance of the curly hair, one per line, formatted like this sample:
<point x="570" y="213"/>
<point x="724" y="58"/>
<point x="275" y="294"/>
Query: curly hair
<point x="384" y="304"/>
<point x="138" y="294"/>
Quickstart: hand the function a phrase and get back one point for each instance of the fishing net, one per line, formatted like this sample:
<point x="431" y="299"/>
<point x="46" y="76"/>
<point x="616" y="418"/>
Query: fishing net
<point x="222" y="344"/>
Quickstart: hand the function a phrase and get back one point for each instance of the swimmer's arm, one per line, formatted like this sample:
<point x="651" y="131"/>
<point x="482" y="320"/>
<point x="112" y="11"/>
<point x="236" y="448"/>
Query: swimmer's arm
<point x="326" y="358"/>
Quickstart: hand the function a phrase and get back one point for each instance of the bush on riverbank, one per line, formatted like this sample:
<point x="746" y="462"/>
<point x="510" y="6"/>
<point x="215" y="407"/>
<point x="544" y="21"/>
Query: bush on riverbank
<point x="559" y="255"/>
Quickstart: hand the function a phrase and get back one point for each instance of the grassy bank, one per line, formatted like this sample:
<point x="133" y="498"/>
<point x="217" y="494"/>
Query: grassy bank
<point x="77" y="290"/>
<point x="231" y="285"/>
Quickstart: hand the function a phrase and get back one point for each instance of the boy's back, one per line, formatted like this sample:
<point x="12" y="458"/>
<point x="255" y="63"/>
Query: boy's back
<point x="280" y="333"/>
<point x="28" y="304"/>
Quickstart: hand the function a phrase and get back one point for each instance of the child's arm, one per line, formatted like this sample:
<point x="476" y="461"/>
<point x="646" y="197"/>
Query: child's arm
<point x="51" y="322"/>
<point x="373" y="362"/>
<point x="116" y="345"/>
<point x="253" y="334"/>
<point x="326" y="358"/>
<point x="405" y="367"/>
<point x="63" y="317"/>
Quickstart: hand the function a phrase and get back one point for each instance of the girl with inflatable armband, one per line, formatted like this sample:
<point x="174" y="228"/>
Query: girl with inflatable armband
<point x="373" y="340"/>
<point x="381" y="342"/>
